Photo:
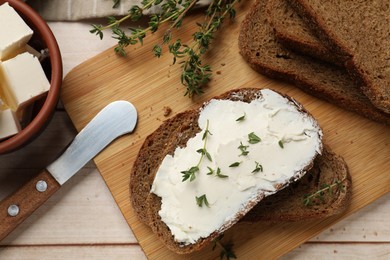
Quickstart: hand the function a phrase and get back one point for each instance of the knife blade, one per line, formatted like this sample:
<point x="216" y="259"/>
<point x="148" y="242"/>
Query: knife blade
<point x="116" y="119"/>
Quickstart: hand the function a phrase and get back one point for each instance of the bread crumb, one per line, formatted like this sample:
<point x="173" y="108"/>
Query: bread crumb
<point x="167" y="111"/>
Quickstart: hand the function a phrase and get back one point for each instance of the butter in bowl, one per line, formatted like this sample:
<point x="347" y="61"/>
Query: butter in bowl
<point x="30" y="74"/>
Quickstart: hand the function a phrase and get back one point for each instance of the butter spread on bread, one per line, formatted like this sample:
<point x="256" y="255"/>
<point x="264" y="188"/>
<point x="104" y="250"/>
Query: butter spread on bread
<point x="288" y="141"/>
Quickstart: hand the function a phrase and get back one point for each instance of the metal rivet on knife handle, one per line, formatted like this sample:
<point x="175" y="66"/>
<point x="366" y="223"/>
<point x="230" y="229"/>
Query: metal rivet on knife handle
<point x="13" y="210"/>
<point x="41" y="186"/>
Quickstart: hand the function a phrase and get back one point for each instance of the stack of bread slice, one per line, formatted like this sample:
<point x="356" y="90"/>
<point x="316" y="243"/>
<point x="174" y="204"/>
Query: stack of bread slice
<point x="317" y="187"/>
<point x="335" y="50"/>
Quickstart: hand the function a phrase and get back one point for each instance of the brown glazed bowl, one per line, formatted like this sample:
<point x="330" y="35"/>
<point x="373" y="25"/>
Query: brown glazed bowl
<point x="43" y="109"/>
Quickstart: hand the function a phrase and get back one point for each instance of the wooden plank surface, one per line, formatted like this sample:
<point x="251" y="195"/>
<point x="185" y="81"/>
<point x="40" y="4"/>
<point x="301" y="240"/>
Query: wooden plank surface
<point x="151" y="85"/>
<point x="82" y="221"/>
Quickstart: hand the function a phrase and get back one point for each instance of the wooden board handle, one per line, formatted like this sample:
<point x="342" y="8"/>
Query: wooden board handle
<point x="21" y="204"/>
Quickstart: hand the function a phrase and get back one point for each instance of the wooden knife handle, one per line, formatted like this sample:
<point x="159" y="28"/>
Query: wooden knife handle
<point x="21" y="204"/>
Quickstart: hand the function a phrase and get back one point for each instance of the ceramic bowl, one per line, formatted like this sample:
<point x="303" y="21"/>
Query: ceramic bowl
<point x="43" y="109"/>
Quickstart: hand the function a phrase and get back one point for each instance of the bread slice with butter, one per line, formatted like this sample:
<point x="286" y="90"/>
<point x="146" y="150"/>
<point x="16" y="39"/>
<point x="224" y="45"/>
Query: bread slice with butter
<point x="247" y="144"/>
<point x="324" y="191"/>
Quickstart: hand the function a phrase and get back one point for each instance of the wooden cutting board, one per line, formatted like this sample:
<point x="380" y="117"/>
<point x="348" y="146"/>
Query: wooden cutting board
<point x="153" y="84"/>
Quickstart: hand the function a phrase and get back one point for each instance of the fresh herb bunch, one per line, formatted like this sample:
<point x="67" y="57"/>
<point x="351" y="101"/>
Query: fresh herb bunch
<point x="195" y="75"/>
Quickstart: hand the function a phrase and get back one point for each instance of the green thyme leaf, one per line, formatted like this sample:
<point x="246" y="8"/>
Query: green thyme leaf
<point x="258" y="168"/>
<point x="207" y="132"/>
<point x="243" y="149"/>
<point x="203" y="151"/>
<point x="209" y="156"/>
<point x="157" y="50"/>
<point x="190" y="174"/>
<point x="116" y="3"/>
<point x="202" y="200"/>
<point x="219" y="174"/>
<point x="253" y="138"/>
<point x="242" y="118"/>
<point x="97" y="29"/>
<point x="281" y="144"/>
<point x="236" y="164"/>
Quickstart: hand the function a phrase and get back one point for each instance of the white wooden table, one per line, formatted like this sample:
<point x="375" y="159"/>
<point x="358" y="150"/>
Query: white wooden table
<point x="82" y="220"/>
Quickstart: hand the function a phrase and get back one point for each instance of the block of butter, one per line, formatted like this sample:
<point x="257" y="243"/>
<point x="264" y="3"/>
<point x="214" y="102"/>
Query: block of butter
<point x="9" y="124"/>
<point x="14" y="32"/>
<point x="22" y="80"/>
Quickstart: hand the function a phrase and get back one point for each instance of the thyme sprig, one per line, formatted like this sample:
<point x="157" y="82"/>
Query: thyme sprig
<point x="226" y="250"/>
<point x="191" y="172"/>
<point x="195" y="75"/>
<point x="330" y="189"/>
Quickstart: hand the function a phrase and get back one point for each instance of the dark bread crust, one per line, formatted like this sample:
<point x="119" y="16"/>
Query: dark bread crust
<point x="360" y="32"/>
<point x="259" y="46"/>
<point x="164" y="141"/>
<point x="288" y="204"/>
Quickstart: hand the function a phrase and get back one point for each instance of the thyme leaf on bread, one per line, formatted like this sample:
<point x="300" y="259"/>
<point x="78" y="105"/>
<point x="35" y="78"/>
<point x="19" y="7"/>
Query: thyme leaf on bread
<point x="258" y="168"/>
<point x="191" y="172"/>
<point x="331" y="189"/>
<point x="202" y="200"/>
<point x="217" y="173"/>
<point x="235" y="164"/>
<point x="241" y="118"/>
<point x="243" y="149"/>
<point x="253" y="138"/>
<point x="195" y="75"/>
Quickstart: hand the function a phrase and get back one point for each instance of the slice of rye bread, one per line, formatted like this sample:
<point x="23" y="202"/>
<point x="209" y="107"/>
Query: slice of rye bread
<point x="173" y="133"/>
<point x="360" y="31"/>
<point x="292" y="31"/>
<point x="265" y="54"/>
<point x="289" y="204"/>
